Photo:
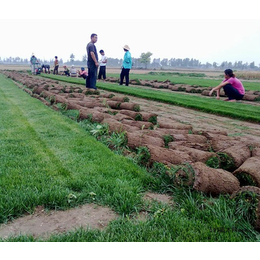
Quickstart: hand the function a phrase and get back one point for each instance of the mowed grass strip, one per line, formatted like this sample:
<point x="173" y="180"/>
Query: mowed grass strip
<point x="46" y="157"/>
<point x="197" y="81"/>
<point x="237" y="110"/>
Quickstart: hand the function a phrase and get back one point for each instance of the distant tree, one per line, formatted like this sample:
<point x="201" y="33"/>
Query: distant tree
<point x="252" y="65"/>
<point x="245" y="65"/>
<point x="146" y="58"/>
<point x="164" y="62"/>
<point x="84" y="58"/>
<point x="156" y="63"/>
<point x="178" y="62"/>
<point x="72" y="57"/>
<point x="61" y="61"/>
<point x="224" y="64"/>
<point x="215" y="65"/>
<point x="208" y="65"/>
<point x="185" y="62"/>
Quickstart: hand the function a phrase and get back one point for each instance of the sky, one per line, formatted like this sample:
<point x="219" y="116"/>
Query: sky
<point x="209" y="31"/>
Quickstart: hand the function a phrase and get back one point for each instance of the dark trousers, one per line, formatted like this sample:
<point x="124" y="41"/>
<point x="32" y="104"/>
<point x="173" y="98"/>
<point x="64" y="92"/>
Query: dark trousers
<point x="56" y="70"/>
<point x="232" y="93"/>
<point x="92" y="77"/>
<point x="124" y="73"/>
<point x="66" y="73"/>
<point x="102" y="72"/>
<point x="83" y="76"/>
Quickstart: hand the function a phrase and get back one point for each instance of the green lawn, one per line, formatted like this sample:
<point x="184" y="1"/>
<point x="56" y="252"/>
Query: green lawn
<point x="198" y="81"/>
<point x="45" y="157"/>
<point x="237" y="110"/>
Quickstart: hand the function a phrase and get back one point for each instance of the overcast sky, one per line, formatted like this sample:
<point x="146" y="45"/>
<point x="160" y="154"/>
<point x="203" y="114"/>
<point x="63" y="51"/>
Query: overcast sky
<point x="221" y="31"/>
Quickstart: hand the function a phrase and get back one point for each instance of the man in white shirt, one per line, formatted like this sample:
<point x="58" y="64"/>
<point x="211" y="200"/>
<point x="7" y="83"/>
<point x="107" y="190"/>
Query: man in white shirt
<point x="102" y="65"/>
<point x="73" y="71"/>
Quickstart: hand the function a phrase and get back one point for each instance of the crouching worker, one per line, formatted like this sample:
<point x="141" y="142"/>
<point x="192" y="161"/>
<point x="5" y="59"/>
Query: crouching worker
<point x="66" y="71"/>
<point x="73" y="71"/>
<point x="232" y="86"/>
<point x="83" y="73"/>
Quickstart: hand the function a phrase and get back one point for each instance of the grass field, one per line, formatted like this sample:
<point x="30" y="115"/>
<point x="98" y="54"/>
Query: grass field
<point x="46" y="157"/>
<point x="240" y="111"/>
<point x="197" y="81"/>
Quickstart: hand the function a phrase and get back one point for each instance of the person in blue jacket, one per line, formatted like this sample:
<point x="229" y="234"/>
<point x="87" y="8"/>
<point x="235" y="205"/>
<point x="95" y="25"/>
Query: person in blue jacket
<point x="126" y="66"/>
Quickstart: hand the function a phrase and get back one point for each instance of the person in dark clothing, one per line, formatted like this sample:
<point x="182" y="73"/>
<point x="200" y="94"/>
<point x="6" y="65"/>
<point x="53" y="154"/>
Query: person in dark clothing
<point x="56" y="66"/>
<point x="92" y="62"/>
<point x="66" y="71"/>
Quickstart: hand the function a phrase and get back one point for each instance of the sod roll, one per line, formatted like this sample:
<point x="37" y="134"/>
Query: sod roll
<point x="249" y="172"/>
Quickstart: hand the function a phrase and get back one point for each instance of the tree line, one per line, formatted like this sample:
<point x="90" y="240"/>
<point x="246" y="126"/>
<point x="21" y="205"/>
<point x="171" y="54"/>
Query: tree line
<point x="145" y="62"/>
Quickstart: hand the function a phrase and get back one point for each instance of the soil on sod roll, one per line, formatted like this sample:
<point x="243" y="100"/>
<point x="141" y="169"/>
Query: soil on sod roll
<point x="195" y="154"/>
<point x="135" y="115"/>
<point x="120" y="99"/>
<point x="114" y="104"/>
<point x="140" y="124"/>
<point x="167" y="156"/>
<point x="249" y="198"/>
<point x="214" y="181"/>
<point x="170" y="124"/>
<point x="250" y="97"/>
<point x="202" y="147"/>
<point x="114" y="125"/>
<point x="130" y="106"/>
<point x="38" y="90"/>
<point x="137" y="139"/>
<point x="211" y="134"/>
<point x="249" y="172"/>
<point x="149" y="117"/>
<point x="76" y="95"/>
<point x="90" y="103"/>
<point x="93" y="115"/>
<point x="120" y="117"/>
<point x="71" y="105"/>
<point x="256" y="152"/>
<point x="239" y="153"/>
<point x="222" y="142"/>
<point x="172" y="132"/>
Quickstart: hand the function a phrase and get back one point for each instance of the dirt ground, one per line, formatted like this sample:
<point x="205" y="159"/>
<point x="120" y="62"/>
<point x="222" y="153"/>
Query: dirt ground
<point x="118" y="70"/>
<point x="45" y="223"/>
<point x="200" y="120"/>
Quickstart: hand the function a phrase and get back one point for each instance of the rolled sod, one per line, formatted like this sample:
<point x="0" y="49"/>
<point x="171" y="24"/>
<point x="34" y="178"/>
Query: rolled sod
<point x="207" y="180"/>
<point x="249" y="172"/>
